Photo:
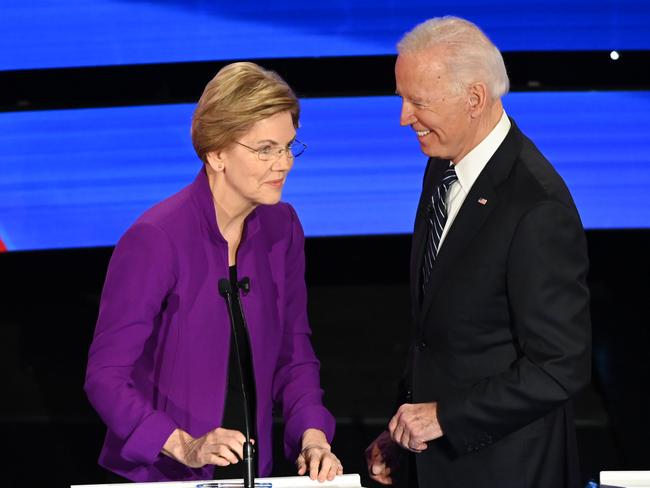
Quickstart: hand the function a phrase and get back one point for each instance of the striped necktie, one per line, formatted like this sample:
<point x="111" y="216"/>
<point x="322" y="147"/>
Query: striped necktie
<point x="437" y="216"/>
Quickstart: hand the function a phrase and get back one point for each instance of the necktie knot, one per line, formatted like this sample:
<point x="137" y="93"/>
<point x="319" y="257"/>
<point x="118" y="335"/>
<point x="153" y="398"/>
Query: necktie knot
<point x="449" y="177"/>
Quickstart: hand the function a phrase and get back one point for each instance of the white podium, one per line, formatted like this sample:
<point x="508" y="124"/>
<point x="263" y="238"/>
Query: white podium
<point x="343" y="481"/>
<point x="625" y="479"/>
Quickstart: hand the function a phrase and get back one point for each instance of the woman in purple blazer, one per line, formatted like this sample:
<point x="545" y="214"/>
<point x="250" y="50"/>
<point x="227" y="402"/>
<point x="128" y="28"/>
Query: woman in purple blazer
<point x="160" y="368"/>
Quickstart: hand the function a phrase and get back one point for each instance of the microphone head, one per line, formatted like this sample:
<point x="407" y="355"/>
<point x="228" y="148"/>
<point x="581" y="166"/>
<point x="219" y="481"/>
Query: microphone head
<point x="224" y="287"/>
<point x="244" y="285"/>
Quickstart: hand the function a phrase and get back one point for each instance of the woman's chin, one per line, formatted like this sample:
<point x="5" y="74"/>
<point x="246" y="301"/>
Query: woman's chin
<point x="269" y="199"/>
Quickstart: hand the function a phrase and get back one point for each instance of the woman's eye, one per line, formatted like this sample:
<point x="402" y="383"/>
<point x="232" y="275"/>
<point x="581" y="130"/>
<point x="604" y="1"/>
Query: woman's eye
<point x="266" y="150"/>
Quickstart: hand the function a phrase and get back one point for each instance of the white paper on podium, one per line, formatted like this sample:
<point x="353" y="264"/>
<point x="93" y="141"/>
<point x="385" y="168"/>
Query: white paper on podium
<point x="343" y="481"/>
<point x="626" y="479"/>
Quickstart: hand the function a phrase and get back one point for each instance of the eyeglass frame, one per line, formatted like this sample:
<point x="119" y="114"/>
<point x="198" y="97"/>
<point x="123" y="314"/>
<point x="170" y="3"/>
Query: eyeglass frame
<point x="281" y="150"/>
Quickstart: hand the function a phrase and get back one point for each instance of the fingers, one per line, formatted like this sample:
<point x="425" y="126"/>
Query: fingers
<point x="374" y="457"/>
<point x="330" y="466"/>
<point x="401" y="430"/>
<point x="224" y="446"/>
<point x="223" y="456"/>
<point x="392" y="425"/>
<point x="396" y="426"/>
<point x="320" y="463"/>
<point x="314" y="462"/>
<point x="325" y="466"/>
<point x="301" y="464"/>
<point x="381" y="474"/>
<point x="377" y="461"/>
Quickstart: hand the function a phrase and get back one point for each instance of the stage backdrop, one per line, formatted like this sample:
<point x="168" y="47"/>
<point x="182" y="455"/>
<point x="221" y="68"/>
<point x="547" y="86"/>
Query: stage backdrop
<point x="78" y="178"/>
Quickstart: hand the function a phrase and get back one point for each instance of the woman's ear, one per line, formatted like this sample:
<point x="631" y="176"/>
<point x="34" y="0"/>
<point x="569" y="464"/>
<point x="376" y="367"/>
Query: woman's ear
<point x="216" y="161"/>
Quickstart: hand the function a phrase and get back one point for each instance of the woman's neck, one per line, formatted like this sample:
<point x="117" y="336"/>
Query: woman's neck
<point x="231" y="213"/>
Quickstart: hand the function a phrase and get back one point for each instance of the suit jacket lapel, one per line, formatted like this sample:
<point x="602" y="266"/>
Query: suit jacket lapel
<point x="472" y="214"/>
<point x="432" y="176"/>
<point x="467" y="223"/>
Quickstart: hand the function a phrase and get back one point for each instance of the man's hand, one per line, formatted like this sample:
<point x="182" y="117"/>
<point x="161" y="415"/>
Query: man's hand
<point x="414" y="425"/>
<point x="316" y="457"/>
<point x="382" y="457"/>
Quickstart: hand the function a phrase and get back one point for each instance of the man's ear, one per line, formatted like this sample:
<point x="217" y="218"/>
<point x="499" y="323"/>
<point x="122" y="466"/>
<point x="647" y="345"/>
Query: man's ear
<point x="478" y="95"/>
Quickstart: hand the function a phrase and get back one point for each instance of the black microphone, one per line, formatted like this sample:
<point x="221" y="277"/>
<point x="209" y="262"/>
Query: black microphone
<point x="226" y="291"/>
<point x="244" y="285"/>
<point x="224" y="288"/>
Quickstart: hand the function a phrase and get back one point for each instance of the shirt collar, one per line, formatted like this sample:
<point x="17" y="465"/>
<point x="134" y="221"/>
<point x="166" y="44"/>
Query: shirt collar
<point x="468" y="168"/>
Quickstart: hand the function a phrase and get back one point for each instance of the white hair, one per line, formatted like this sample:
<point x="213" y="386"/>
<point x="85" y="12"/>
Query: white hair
<point x="470" y="55"/>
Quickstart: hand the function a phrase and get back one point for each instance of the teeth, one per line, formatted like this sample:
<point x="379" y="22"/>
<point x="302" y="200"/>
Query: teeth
<point x="422" y="133"/>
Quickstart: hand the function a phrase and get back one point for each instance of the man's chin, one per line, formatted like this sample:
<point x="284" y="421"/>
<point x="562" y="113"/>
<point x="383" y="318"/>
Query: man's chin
<point x="429" y="150"/>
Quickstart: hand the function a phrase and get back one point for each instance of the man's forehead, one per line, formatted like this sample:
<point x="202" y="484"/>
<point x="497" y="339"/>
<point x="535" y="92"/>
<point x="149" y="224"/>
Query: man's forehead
<point x="424" y="63"/>
<point x="419" y="72"/>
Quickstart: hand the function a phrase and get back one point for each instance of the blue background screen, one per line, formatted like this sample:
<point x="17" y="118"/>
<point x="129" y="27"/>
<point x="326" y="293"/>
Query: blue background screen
<point x="48" y="33"/>
<point x="76" y="178"/>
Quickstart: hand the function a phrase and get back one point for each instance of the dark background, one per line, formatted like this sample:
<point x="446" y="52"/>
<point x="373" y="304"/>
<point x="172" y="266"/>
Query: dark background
<point x="360" y="327"/>
<point x="49" y="299"/>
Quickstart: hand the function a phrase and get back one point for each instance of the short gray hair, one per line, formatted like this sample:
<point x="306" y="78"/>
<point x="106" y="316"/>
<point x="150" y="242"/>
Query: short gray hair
<point x="471" y="55"/>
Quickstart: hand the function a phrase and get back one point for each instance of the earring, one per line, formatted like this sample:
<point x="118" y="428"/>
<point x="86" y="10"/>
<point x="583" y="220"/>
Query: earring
<point x="220" y="167"/>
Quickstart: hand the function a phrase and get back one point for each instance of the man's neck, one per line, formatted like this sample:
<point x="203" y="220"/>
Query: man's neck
<point x="483" y="126"/>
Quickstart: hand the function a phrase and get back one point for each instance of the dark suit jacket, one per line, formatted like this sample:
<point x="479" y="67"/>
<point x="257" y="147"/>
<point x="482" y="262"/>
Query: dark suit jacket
<point x="502" y="337"/>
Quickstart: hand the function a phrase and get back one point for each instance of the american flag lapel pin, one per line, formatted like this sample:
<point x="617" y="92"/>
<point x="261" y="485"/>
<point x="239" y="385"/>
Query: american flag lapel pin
<point x="482" y="201"/>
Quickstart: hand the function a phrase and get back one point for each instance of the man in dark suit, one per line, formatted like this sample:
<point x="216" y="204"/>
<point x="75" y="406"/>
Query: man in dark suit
<point x="501" y="337"/>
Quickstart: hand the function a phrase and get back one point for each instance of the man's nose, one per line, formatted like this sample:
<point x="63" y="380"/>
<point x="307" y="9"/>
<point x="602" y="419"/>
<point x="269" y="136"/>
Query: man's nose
<point x="406" y="116"/>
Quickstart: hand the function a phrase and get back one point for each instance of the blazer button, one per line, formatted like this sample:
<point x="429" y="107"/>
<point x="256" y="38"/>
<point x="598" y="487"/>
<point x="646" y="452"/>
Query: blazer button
<point x="422" y="345"/>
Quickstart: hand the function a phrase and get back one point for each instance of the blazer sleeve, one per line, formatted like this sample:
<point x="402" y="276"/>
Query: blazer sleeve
<point x="139" y="278"/>
<point x="549" y="309"/>
<point x="296" y="383"/>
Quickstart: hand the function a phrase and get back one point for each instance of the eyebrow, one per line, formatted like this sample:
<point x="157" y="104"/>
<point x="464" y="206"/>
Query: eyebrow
<point x="274" y="142"/>
<point x="411" y="99"/>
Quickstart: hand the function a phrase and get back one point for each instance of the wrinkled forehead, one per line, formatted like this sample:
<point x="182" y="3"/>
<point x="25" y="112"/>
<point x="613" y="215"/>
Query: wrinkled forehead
<point x="417" y="74"/>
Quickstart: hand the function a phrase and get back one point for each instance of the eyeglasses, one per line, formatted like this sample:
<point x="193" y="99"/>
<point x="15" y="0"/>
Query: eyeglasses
<point x="273" y="152"/>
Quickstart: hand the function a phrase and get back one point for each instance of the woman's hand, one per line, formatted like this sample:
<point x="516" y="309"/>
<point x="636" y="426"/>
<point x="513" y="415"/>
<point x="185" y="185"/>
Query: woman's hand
<point x="219" y="446"/>
<point x="317" y="458"/>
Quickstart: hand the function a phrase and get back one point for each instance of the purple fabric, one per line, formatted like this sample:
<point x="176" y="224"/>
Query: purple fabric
<point x="159" y="356"/>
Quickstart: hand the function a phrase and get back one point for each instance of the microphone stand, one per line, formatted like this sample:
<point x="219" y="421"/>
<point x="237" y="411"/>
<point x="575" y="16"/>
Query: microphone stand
<point x="226" y="291"/>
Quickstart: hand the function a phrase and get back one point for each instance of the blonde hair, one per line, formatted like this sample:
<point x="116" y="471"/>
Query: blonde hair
<point x="470" y="55"/>
<point x="240" y="95"/>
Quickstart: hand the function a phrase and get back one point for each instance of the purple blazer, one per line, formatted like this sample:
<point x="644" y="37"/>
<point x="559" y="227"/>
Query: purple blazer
<point x="159" y="356"/>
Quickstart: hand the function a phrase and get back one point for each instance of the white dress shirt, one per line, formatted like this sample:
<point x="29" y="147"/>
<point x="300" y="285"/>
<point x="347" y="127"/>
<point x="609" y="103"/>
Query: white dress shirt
<point x="468" y="169"/>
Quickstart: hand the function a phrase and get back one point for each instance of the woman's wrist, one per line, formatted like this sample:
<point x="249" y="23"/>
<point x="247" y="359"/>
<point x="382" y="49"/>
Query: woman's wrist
<point x="314" y="438"/>
<point x="176" y="445"/>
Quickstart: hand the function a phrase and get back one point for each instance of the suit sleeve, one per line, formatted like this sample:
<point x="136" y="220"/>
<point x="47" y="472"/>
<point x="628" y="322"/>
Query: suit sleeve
<point x="549" y="310"/>
<point x="139" y="278"/>
<point x="296" y="383"/>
